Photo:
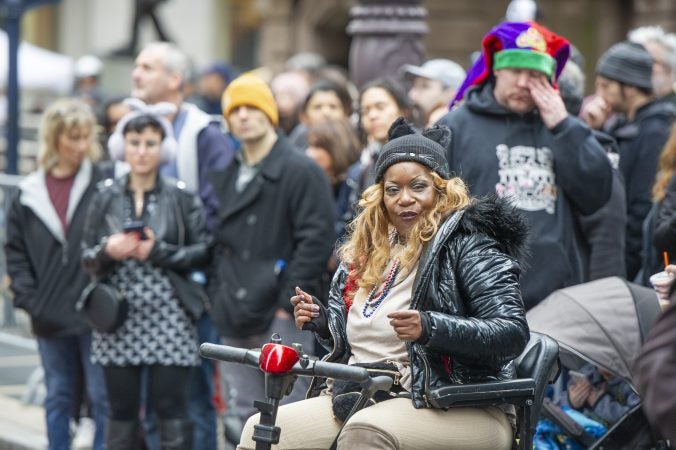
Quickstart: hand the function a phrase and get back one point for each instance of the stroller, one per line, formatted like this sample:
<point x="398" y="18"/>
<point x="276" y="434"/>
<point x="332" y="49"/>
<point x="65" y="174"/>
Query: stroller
<point x="600" y="324"/>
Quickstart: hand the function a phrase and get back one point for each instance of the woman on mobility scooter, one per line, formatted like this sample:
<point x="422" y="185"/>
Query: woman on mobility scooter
<point x="428" y="287"/>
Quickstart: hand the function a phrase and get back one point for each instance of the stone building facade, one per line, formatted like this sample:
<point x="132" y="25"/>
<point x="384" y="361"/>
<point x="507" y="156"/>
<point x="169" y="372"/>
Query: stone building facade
<point x="455" y="26"/>
<point x="266" y="32"/>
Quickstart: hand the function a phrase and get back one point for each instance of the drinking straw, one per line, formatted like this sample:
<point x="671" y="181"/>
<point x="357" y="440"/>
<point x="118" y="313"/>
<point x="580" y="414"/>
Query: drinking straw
<point x="666" y="259"/>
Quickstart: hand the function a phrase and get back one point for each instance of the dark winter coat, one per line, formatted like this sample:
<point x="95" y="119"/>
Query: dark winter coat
<point x="467" y="289"/>
<point x="640" y="141"/>
<point x="604" y="230"/>
<point x="654" y="374"/>
<point x="176" y="217"/>
<point x="551" y="175"/>
<point x="273" y="236"/>
<point x="44" y="264"/>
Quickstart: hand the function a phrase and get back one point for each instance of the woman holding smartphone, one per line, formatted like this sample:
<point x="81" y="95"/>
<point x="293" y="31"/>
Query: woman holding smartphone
<point x="145" y="234"/>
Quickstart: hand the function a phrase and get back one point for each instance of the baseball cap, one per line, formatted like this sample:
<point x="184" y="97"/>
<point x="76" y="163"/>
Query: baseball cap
<point x="88" y="66"/>
<point x="450" y="74"/>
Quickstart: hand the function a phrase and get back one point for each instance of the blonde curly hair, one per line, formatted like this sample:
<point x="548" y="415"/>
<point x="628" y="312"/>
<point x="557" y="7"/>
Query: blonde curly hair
<point x="666" y="167"/>
<point x="367" y="250"/>
<point x="63" y="116"/>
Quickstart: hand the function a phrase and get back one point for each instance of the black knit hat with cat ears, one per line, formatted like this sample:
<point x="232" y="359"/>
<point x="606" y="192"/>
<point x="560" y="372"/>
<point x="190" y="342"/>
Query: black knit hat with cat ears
<point x="405" y="144"/>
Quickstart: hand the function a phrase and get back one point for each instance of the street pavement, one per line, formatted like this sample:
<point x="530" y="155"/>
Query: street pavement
<point x="22" y="419"/>
<point x="22" y="422"/>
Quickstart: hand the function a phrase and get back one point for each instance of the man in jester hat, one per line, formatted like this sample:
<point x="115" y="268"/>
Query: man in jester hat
<point x="513" y="137"/>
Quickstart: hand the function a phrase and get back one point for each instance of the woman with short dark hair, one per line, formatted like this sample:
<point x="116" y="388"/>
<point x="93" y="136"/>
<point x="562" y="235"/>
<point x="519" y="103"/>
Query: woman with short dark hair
<point x="145" y="235"/>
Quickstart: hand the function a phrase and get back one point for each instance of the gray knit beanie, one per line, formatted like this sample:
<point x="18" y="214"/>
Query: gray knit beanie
<point x="405" y="144"/>
<point x="627" y="62"/>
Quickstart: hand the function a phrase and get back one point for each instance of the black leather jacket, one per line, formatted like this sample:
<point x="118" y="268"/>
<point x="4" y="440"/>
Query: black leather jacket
<point x="467" y="287"/>
<point x="175" y="215"/>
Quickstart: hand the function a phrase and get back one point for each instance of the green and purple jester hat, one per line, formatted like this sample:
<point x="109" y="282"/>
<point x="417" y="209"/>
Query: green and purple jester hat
<point x="523" y="45"/>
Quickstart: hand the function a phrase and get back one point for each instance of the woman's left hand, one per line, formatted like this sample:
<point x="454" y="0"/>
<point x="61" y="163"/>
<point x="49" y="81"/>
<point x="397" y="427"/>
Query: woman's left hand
<point x="145" y="246"/>
<point x="406" y="323"/>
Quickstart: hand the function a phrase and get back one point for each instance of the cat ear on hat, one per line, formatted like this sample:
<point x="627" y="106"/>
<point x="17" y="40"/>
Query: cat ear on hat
<point x="439" y="134"/>
<point x="399" y="128"/>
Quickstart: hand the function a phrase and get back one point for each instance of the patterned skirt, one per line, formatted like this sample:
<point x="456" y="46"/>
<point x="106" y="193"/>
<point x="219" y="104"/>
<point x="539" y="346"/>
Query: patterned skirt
<point x="157" y="329"/>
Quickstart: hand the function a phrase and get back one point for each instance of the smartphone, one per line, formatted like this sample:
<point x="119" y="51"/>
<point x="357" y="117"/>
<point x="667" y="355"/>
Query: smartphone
<point x="136" y="227"/>
<point x="577" y="376"/>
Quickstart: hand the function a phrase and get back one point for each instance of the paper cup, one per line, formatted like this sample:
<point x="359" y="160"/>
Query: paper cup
<point x="661" y="279"/>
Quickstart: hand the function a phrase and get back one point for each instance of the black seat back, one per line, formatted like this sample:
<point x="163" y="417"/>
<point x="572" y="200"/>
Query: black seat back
<point x="539" y="361"/>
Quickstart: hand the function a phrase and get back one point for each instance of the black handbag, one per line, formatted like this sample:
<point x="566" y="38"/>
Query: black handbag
<point x="346" y="393"/>
<point x="191" y="294"/>
<point x="103" y="306"/>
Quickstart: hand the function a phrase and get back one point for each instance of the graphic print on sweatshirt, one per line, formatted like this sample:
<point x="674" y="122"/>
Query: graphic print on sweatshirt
<point x="527" y="177"/>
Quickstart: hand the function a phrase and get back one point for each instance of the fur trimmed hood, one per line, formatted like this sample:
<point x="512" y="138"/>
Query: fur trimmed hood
<point x="497" y="218"/>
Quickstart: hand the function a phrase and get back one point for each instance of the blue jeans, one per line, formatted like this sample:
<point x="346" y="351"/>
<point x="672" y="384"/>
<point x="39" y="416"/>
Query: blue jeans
<point x="59" y="361"/>
<point x="200" y="392"/>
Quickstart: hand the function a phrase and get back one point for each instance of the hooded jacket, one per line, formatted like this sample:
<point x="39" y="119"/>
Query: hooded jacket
<point x="467" y="289"/>
<point x="44" y="263"/>
<point x="549" y="174"/>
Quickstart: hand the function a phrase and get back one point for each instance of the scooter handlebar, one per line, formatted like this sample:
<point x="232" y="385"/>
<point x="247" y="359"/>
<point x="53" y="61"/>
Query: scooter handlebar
<point x="312" y="367"/>
<point x="230" y="354"/>
<point x="340" y="371"/>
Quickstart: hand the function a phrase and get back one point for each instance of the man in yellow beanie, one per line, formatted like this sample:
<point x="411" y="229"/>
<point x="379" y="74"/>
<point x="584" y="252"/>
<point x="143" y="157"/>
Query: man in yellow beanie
<point x="274" y="232"/>
<point x="250" y="90"/>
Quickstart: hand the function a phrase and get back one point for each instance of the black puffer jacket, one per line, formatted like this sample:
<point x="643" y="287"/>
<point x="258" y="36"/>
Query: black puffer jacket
<point x="467" y="286"/>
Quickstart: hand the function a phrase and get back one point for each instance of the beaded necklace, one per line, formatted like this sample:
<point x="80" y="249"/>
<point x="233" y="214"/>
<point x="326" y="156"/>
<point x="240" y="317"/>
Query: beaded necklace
<point x="372" y="304"/>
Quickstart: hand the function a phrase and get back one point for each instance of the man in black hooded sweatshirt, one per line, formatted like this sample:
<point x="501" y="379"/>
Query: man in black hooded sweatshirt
<point x="513" y="137"/>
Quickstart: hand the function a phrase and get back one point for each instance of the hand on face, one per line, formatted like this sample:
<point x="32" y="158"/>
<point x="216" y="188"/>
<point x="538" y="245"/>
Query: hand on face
<point x="548" y="102"/>
<point x="596" y="112"/>
<point x="406" y="323"/>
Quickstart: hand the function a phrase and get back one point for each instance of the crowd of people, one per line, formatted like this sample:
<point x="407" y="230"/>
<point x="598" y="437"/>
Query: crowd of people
<point x="413" y="221"/>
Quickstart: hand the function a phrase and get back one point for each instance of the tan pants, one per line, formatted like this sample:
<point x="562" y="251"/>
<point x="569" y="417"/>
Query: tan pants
<point x="392" y="424"/>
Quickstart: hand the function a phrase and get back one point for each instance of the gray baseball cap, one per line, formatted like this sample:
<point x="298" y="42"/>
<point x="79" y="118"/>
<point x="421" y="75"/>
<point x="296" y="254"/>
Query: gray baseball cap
<point x="451" y="74"/>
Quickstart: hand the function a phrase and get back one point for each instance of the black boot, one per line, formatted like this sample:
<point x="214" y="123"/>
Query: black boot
<point x="176" y="434"/>
<point x="123" y="435"/>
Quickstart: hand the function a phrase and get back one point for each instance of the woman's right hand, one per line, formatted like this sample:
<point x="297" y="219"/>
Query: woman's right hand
<point x="304" y="310"/>
<point x="121" y="245"/>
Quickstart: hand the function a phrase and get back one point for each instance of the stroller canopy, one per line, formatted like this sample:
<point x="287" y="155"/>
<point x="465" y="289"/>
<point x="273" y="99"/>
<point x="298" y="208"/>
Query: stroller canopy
<point x="603" y="320"/>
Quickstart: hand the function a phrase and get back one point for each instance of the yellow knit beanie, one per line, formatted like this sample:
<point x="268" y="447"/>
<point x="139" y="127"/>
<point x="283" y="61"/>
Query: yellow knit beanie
<point x="250" y="90"/>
